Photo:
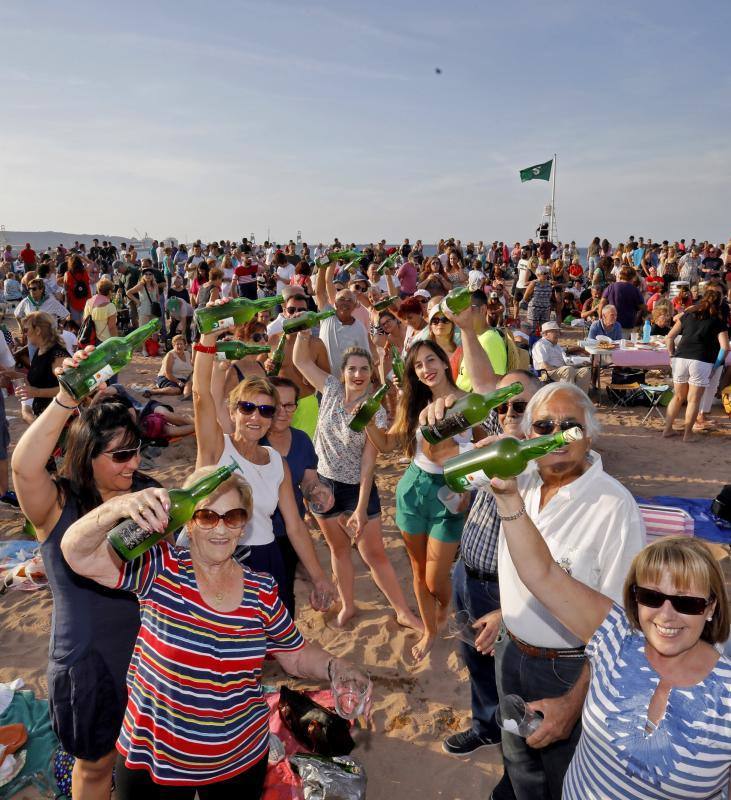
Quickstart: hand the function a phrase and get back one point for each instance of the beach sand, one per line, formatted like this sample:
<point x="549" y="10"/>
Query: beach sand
<point x="415" y="707"/>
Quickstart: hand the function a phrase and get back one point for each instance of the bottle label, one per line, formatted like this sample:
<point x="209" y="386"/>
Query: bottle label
<point x="131" y="534"/>
<point x="573" y="435"/>
<point x="220" y="356"/>
<point x="105" y="372"/>
<point x="477" y="480"/>
<point x="323" y="261"/>
<point x="449" y="426"/>
<point x="226" y="322"/>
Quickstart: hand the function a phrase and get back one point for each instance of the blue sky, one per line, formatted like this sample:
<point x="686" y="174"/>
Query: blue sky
<point x="217" y="119"/>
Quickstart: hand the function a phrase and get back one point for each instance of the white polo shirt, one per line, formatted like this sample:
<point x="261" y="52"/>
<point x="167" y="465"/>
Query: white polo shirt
<point x="593" y="529"/>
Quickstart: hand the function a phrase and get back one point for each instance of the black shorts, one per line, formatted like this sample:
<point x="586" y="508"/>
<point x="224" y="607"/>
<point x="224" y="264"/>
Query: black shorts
<point x="518" y="293"/>
<point x="346" y="500"/>
<point x="86" y="706"/>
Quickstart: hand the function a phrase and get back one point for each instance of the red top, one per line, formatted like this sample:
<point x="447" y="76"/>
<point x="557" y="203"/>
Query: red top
<point x="28" y="256"/>
<point x="70" y="279"/>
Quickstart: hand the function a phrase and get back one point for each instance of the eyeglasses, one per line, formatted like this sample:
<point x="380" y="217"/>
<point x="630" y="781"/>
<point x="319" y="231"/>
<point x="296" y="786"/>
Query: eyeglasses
<point x="439" y="321"/>
<point x="259" y="337"/>
<point x="545" y="426"/>
<point x="248" y="408"/>
<point x="360" y="288"/>
<point x="682" y="603"/>
<point x="122" y="456"/>
<point x="295" y="309"/>
<point x="288" y="407"/>
<point x="518" y="406"/>
<point x="206" y="518"/>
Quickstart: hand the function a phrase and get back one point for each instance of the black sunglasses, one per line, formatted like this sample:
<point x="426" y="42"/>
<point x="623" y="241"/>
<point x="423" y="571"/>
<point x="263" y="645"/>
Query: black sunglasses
<point x="259" y="337"/>
<point x="682" y="603"/>
<point x="206" y="518"/>
<point x="122" y="456"/>
<point x="438" y="320"/>
<point x="360" y="288"/>
<point x="294" y="310"/>
<point x="248" y="408"/>
<point x="518" y="406"/>
<point x="546" y="426"/>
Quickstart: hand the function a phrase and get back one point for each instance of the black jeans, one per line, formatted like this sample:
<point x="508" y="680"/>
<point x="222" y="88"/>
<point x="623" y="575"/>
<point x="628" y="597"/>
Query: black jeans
<point x="136" y="784"/>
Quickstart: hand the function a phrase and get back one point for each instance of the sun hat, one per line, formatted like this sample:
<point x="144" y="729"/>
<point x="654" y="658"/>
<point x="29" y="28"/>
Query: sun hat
<point x="550" y="326"/>
<point x="422" y="293"/>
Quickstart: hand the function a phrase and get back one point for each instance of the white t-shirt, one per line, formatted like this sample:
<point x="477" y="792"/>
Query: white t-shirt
<point x="547" y="354"/>
<point x="337" y="338"/>
<point x="286" y="273"/>
<point x="592" y="527"/>
<point x="269" y="256"/>
<point x="523" y="273"/>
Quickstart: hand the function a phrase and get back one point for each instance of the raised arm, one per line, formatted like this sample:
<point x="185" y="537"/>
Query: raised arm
<point x="302" y="357"/>
<point x="580" y="608"/>
<point x="476" y="361"/>
<point x="85" y="546"/>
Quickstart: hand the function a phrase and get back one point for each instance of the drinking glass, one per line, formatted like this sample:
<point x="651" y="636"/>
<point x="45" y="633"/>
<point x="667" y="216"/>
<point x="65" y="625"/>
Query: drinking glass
<point x="634" y="337"/>
<point x="513" y="716"/>
<point x="459" y="626"/>
<point x="319" y="495"/>
<point x="350" y="689"/>
<point x="451" y="500"/>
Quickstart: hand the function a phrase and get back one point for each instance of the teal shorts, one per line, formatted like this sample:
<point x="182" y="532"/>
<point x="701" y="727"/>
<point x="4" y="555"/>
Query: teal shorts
<point x="419" y="510"/>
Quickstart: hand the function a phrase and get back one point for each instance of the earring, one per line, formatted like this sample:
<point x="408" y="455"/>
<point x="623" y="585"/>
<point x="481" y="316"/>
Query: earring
<point x="709" y="619"/>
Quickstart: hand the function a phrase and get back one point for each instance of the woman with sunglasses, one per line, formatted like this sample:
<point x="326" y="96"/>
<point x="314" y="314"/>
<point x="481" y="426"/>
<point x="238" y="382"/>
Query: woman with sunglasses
<point x="93" y="628"/>
<point x="442" y="330"/>
<point x="38" y="299"/>
<point x="657" y="718"/>
<point x="196" y="720"/>
<point x="347" y="460"/>
<point x="251" y="409"/>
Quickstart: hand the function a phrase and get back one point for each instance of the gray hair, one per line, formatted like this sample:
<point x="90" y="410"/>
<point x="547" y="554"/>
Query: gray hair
<point x="592" y="428"/>
<point x="609" y="307"/>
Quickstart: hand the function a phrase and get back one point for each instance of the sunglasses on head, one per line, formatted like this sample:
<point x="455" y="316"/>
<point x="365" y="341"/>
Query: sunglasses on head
<point x="546" y="426"/>
<point x="248" y="408"/>
<point x="518" y="406"/>
<point x="122" y="456"/>
<point x="682" y="603"/>
<point x="206" y="518"/>
<point x="294" y="309"/>
<point x="259" y="337"/>
<point x="440" y="320"/>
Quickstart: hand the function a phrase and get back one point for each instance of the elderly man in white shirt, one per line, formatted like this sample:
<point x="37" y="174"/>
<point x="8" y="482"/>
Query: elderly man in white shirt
<point x="548" y="355"/>
<point x="593" y="528"/>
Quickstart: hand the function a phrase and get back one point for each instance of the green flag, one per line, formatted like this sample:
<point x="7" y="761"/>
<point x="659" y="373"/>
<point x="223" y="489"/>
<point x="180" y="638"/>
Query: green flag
<point x="540" y="172"/>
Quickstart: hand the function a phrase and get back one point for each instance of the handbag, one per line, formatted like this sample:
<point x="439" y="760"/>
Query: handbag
<point x="155" y="307"/>
<point x="87" y="332"/>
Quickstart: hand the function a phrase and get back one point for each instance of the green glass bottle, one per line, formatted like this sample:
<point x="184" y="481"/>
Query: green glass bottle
<point x="307" y="319"/>
<point x="469" y="410"/>
<point x="338" y="255"/>
<point x="278" y="357"/>
<point x="397" y="364"/>
<point x="129" y="540"/>
<point x="235" y="312"/>
<point x="504" y="458"/>
<point x="107" y="359"/>
<point x="387" y="263"/>
<point x="233" y="350"/>
<point x="368" y="409"/>
<point x="385" y="303"/>
<point x="458" y="299"/>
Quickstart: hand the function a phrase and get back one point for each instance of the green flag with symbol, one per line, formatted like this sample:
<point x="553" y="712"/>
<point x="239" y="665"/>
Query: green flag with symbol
<point x="539" y="172"/>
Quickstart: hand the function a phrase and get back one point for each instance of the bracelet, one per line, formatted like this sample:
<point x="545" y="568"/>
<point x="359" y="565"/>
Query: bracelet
<point x="202" y="348"/>
<point x="68" y="408"/>
<point x="511" y="517"/>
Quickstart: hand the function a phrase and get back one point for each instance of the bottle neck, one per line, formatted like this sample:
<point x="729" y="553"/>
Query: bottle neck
<point x="540" y="445"/>
<point x="138" y="336"/>
<point x="208" y="484"/>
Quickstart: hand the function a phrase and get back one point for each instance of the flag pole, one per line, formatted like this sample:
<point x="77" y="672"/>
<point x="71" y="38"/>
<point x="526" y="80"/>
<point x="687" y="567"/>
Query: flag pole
<point x="553" y="199"/>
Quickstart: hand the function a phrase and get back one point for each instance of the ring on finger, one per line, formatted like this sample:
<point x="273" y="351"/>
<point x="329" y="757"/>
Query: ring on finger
<point x="140" y="509"/>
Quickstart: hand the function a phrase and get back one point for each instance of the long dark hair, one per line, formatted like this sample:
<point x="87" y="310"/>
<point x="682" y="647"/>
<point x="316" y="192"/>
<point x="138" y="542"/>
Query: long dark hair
<point x="709" y="306"/>
<point x="89" y="435"/>
<point x="416" y="395"/>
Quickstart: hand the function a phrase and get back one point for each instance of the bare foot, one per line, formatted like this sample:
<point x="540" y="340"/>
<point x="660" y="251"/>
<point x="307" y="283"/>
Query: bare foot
<point x="668" y="433"/>
<point x="409" y="620"/>
<point x="690" y="438"/>
<point x="343" y="616"/>
<point x="421" y="650"/>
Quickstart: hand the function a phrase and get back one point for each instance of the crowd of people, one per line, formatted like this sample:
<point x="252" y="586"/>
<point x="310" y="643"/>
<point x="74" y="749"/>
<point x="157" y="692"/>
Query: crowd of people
<point x="156" y="663"/>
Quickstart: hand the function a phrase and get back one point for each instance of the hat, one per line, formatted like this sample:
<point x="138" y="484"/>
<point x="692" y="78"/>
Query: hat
<point x="288" y="292"/>
<point x="550" y="326"/>
<point x="521" y="335"/>
<point x="422" y="293"/>
<point x="494" y="296"/>
<point x="359" y="277"/>
<point x="437" y="309"/>
<point x="542" y="270"/>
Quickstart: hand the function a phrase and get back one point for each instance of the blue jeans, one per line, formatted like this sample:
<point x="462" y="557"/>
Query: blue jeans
<point x="536" y="774"/>
<point x="478" y="598"/>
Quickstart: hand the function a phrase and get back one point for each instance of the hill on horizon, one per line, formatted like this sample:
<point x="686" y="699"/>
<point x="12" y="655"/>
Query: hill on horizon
<point x="40" y="240"/>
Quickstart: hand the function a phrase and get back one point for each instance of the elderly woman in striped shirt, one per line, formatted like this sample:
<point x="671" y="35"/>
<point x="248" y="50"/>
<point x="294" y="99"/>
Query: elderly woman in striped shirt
<point x="196" y="718"/>
<point x="657" y="718"/>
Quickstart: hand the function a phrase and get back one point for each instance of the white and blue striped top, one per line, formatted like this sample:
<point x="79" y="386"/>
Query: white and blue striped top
<point x="689" y="753"/>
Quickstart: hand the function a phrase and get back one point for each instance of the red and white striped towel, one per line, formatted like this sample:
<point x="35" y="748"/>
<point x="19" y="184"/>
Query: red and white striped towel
<point x="666" y="521"/>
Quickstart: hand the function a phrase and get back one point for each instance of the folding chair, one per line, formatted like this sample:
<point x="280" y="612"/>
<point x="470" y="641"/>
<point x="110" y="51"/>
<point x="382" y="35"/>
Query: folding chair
<point x="623" y="394"/>
<point x="654" y="395"/>
<point x="663" y="521"/>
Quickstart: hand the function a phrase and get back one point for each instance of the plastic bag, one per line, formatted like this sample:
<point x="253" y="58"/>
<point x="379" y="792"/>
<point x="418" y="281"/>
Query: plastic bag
<point x="336" y="778"/>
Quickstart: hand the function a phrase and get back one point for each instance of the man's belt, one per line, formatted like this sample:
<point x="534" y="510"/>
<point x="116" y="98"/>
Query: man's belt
<point x="480" y="575"/>
<point x="544" y="652"/>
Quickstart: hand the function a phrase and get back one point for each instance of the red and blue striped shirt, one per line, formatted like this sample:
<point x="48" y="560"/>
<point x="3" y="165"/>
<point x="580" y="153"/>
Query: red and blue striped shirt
<point x="196" y="713"/>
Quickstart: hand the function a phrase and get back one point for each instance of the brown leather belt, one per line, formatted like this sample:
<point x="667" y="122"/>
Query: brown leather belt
<point x="544" y="652"/>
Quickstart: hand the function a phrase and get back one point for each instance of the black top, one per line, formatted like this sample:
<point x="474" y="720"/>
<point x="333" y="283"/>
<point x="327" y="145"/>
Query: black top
<point x="87" y="615"/>
<point x="41" y="375"/>
<point x="700" y="338"/>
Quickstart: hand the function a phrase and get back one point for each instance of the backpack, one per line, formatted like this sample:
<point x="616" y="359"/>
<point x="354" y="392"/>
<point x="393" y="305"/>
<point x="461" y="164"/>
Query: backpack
<point x="87" y="332"/>
<point x="80" y="290"/>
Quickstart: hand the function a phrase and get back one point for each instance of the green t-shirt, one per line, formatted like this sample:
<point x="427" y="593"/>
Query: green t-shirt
<point x="493" y="344"/>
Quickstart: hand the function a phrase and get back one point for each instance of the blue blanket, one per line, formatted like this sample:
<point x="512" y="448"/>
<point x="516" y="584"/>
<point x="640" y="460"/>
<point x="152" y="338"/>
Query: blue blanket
<point x="707" y="525"/>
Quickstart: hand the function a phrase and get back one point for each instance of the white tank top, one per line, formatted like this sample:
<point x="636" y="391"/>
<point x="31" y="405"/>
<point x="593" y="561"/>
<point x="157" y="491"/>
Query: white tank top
<point x="265" y="480"/>
<point x="463" y="440"/>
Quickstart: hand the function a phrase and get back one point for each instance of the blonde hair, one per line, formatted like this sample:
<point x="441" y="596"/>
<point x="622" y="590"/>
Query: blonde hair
<point x="250" y="387"/>
<point x="178" y="338"/>
<point x="689" y="564"/>
<point x="235" y="481"/>
<point x="45" y="324"/>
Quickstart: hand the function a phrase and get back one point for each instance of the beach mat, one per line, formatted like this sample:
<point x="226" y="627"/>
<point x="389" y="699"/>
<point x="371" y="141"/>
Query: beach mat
<point x="706" y="525"/>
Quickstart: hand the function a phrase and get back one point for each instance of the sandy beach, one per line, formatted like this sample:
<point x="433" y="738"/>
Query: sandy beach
<point x="415" y="707"/>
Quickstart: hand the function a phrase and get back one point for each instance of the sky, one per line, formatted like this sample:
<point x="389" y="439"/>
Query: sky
<point x="222" y="118"/>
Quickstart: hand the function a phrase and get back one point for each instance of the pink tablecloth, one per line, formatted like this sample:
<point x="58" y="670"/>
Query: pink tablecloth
<point x="646" y="359"/>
